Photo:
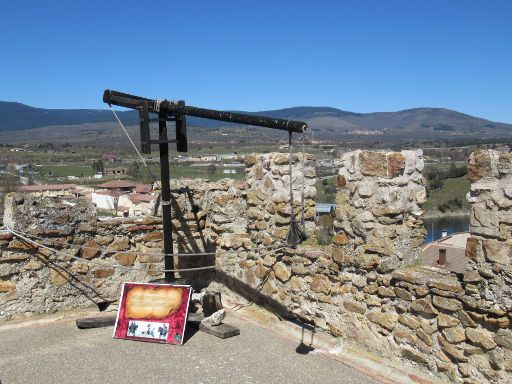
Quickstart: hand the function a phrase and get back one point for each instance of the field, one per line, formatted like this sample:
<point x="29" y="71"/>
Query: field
<point x="452" y="189"/>
<point x="64" y="170"/>
<point x="59" y="173"/>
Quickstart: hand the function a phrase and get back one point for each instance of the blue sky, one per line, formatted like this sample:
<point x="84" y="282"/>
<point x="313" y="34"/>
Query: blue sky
<point x="360" y="56"/>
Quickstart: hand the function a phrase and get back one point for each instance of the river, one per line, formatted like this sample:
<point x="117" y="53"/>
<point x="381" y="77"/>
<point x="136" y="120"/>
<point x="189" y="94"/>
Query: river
<point x="451" y="224"/>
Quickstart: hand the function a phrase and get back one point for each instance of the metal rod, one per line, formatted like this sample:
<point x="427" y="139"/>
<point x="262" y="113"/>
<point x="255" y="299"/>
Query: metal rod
<point x="166" y="195"/>
<point x="173" y="108"/>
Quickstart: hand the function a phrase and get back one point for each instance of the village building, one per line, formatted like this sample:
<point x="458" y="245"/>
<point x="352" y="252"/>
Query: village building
<point x="124" y="197"/>
<point x="118" y="186"/>
<point x="115" y="172"/>
<point x="51" y="190"/>
<point x="448" y="253"/>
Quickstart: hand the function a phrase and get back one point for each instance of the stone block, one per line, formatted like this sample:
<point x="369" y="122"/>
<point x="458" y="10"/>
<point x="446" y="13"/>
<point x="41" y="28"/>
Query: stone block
<point x="4" y="236"/>
<point x="454" y="335"/>
<point x="15" y="257"/>
<point x="385" y="320"/>
<point x="7" y="286"/>
<point x="403" y="294"/>
<point x="282" y="272"/>
<point x="381" y="246"/>
<point x="423" y="307"/>
<point x="354" y="306"/>
<point x="58" y="277"/>
<point x="366" y="261"/>
<point x="453" y="352"/>
<point x="404" y="335"/>
<point x="472" y="277"/>
<point x="479" y="165"/>
<point x="80" y="268"/>
<point x="497" y="252"/>
<point x="396" y="164"/>
<point x="103" y="239"/>
<point x="121" y="243"/>
<point x="33" y="265"/>
<point x="472" y="245"/>
<point x="151" y="236"/>
<point x="428" y="326"/>
<point x="447" y="304"/>
<point x="149" y="258"/>
<point x="481" y="338"/>
<point x="21" y="245"/>
<point x="445" y="321"/>
<point x="446" y="284"/>
<point x="321" y="284"/>
<point x="341" y="182"/>
<point x="484" y="222"/>
<point x="424" y="336"/>
<point x="466" y="319"/>
<point x="504" y="338"/>
<point x="414" y="355"/>
<point x="90" y="250"/>
<point x="340" y="239"/>
<point x="126" y="258"/>
<point x="409" y="321"/>
<point x="388" y="264"/>
<point x="373" y="163"/>
<point x="102" y="273"/>
<point x="296" y="284"/>
<point x="269" y="288"/>
<point x="497" y="359"/>
<point x="386" y="291"/>
<point x="222" y="331"/>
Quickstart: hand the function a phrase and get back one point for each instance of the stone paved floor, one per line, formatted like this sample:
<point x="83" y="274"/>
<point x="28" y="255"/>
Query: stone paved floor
<point x="58" y="352"/>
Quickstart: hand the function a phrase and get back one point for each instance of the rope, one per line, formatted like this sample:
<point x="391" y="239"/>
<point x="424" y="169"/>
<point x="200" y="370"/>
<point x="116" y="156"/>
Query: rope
<point x="135" y="147"/>
<point x="290" y="161"/>
<point x="105" y="250"/>
<point x="118" y="266"/>
<point x="302" y="200"/>
<point x="295" y="233"/>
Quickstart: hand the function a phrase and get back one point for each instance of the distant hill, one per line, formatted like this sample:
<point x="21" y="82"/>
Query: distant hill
<point x="17" y="116"/>
<point x="325" y="123"/>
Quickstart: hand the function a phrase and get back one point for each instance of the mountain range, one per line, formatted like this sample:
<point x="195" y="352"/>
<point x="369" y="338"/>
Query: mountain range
<point x="326" y="123"/>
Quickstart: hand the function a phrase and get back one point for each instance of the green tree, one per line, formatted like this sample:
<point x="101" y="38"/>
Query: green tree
<point x="133" y="169"/>
<point x="98" y="167"/>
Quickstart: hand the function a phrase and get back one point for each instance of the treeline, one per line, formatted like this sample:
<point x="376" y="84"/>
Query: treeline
<point x="450" y="205"/>
<point x="436" y="176"/>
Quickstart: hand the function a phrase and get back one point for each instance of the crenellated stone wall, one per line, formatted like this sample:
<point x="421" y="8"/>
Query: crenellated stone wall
<point x="378" y="205"/>
<point x="367" y="287"/>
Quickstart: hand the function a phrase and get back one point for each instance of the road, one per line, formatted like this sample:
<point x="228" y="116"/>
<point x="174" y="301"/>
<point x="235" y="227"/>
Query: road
<point x="58" y="352"/>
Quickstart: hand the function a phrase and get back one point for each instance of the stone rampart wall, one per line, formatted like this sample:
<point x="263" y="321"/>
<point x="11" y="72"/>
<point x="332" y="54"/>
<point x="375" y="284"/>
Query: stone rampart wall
<point x="368" y="286"/>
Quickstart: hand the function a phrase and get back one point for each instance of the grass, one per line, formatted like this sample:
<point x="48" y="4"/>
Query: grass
<point x="326" y="190"/>
<point x="452" y="189"/>
<point x="65" y="170"/>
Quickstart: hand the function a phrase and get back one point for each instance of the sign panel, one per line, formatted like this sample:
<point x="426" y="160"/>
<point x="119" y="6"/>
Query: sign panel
<point x="153" y="312"/>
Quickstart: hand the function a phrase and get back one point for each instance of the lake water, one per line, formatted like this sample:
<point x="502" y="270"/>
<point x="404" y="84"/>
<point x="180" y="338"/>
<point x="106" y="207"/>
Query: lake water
<point x="450" y="224"/>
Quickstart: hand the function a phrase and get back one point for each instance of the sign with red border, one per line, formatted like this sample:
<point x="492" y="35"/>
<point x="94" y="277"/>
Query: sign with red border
<point x="153" y="312"/>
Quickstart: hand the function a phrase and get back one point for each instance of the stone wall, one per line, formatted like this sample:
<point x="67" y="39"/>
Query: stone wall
<point x="226" y="218"/>
<point x="368" y="286"/>
<point x="378" y="205"/>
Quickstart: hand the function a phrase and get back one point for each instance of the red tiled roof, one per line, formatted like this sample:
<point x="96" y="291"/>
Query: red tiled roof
<point x="143" y="188"/>
<point x="136" y="198"/>
<point x="456" y="259"/>
<point x="46" y="187"/>
<point x="108" y="193"/>
<point x="117" y="184"/>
